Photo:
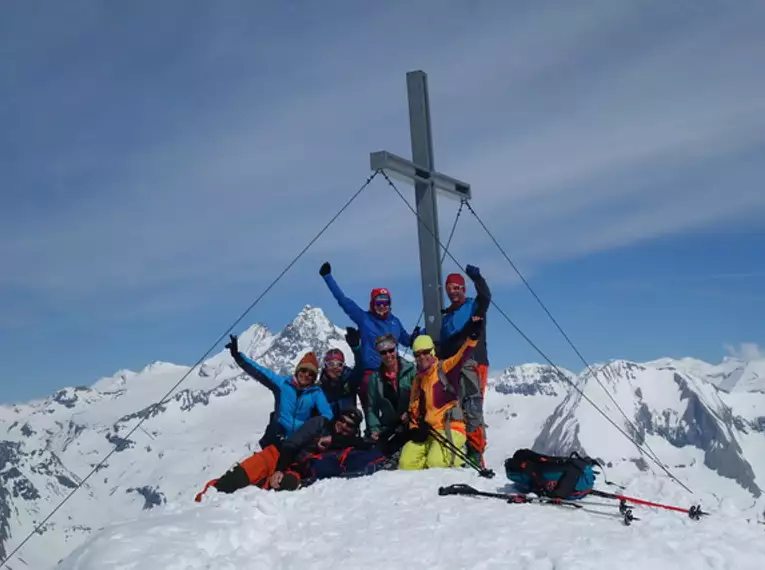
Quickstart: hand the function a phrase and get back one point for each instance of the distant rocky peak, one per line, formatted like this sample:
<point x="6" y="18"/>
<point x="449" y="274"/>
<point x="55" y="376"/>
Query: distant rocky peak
<point x="533" y="379"/>
<point x="312" y="331"/>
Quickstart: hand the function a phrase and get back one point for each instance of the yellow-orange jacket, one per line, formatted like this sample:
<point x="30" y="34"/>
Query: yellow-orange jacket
<point x="432" y="399"/>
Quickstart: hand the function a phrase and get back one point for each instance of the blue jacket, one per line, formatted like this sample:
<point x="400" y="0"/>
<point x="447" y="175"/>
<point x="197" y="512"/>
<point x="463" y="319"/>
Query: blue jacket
<point x="455" y="317"/>
<point x="452" y="322"/>
<point x="294" y="405"/>
<point x="370" y="326"/>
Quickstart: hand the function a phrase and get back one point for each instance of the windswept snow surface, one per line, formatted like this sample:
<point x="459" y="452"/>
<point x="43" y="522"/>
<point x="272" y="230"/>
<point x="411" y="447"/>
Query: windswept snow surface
<point x="396" y="519"/>
<point x="713" y="440"/>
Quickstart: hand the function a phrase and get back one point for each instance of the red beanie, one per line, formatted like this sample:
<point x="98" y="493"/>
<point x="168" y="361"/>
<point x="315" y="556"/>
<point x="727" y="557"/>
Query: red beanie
<point x="308" y="362"/>
<point x="455" y="278"/>
<point x="334" y="354"/>
<point x="378" y="292"/>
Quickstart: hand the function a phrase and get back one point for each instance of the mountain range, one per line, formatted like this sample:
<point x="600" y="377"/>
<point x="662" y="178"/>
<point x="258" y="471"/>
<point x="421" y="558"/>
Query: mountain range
<point x="703" y="423"/>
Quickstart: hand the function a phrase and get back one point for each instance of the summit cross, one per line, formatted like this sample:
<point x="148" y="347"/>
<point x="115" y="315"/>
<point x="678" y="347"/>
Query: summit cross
<point x="421" y="172"/>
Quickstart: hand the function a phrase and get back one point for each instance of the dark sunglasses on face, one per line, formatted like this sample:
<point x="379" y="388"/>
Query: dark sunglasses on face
<point x="348" y="422"/>
<point x="386" y="351"/>
<point x="384" y="304"/>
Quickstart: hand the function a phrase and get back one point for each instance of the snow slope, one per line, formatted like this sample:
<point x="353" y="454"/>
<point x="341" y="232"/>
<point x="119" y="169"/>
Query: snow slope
<point x="216" y="417"/>
<point x="397" y="520"/>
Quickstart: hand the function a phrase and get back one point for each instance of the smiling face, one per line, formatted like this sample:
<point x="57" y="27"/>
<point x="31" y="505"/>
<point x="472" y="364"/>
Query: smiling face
<point x="456" y="293"/>
<point x="347" y="423"/>
<point x="388" y="356"/>
<point x="334" y="362"/>
<point x="305" y="377"/>
<point x="381" y="306"/>
<point x="424" y="359"/>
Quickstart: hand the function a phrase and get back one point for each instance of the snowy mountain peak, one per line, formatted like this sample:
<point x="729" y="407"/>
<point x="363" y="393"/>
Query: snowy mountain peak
<point x="662" y="406"/>
<point x="533" y="379"/>
<point x="311" y="330"/>
<point x="218" y="413"/>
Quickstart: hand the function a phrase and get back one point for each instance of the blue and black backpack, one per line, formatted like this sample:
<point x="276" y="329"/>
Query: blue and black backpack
<point x="567" y="478"/>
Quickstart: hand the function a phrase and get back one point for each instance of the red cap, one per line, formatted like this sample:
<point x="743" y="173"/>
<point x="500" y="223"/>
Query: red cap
<point x="455" y="278"/>
<point x="378" y="292"/>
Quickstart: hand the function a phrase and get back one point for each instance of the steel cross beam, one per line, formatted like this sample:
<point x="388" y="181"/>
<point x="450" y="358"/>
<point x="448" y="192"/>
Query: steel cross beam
<point x="428" y="183"/>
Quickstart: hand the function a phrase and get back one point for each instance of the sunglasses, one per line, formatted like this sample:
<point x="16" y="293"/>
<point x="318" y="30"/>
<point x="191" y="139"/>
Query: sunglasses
<point x="351" y="423"/>
<point x="333" y="364"/>
<point x="423" y="353"/>
<point x="382" y="303"/>
<point x="386" y="351"/>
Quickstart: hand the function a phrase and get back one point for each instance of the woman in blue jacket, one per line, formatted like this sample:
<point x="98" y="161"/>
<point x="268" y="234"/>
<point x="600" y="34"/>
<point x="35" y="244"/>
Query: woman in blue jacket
<point x="375" y="322"/>
<point x="298" y="397"/>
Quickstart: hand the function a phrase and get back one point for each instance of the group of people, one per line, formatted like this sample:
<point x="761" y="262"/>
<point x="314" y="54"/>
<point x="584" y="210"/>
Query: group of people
<point x="417" y="415"/>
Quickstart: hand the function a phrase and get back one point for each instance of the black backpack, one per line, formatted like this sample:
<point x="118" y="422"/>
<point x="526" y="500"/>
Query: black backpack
<point x="567" y="478"/>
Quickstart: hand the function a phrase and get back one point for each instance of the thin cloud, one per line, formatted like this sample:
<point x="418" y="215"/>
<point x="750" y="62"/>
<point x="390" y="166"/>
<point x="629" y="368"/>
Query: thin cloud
<point x="746" y="351"/>
<point x="560" y="137"/>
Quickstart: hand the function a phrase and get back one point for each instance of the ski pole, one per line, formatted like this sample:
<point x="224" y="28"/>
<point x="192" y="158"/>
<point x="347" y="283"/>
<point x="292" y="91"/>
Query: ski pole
<point x="488" y="473"/>
<point x="694" y="512"/>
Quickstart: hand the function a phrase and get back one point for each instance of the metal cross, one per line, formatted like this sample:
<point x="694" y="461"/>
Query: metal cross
<point x="421" y="172"/>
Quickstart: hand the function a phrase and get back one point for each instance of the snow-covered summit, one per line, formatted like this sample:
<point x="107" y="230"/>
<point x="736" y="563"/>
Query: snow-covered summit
<point x="218" y="413"/>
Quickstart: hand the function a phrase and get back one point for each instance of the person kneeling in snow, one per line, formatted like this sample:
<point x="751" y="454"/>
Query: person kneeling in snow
<point x="298" y="397"/>
<point x="321" y="448"/>
<point x="435" y="404"/>
<point x="388" y="396"/>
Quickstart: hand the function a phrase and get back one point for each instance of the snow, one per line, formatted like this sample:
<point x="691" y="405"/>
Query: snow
<point x="397" y="520"/>
<point x="217" y="415"/>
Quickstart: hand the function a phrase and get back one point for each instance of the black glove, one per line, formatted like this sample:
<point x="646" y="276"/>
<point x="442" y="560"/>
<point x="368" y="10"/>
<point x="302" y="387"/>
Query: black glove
<point x="233" y="345"/>
<point x="325" y="269"/>
<point x="352" y="337"/>
<point x="473" y="328"/>
<point x="420" y="433"/>
<point x="472" y="271"/>
<point x="415" y="333"/>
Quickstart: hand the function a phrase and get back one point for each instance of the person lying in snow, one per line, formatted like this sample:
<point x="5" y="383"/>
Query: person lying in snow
<point x="388" y="396"/>
<point x="298" y="397"/>
<point x="339" y="382"/>
<point x="320" y="449"/>
<point x="375" y="322"/>
<point x="435" y="404"/>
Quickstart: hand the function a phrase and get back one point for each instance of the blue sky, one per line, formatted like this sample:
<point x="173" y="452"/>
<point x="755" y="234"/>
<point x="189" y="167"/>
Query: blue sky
<point x="160" y="163"/>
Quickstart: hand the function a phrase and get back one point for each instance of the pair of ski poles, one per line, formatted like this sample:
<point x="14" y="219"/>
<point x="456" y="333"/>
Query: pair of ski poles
<point x="445" y="443"/>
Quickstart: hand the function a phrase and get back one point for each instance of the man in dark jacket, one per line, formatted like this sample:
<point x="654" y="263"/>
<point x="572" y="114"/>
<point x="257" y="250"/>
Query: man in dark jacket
<point x="321" y="448"/>
<point x="476" y="370"/>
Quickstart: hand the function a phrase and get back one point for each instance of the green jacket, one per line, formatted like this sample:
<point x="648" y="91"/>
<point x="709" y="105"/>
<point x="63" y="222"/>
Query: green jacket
<point x="382" y="414"/>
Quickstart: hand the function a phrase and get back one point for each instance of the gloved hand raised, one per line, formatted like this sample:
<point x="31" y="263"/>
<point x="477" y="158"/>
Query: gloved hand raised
<point x="233" y="345"/>
<point x="474" y="327"/>
<point x="472" y="271"/>
<point x="352" y="337"/>
<point x="415" y="333"/>
<point x="325" y="269"/>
